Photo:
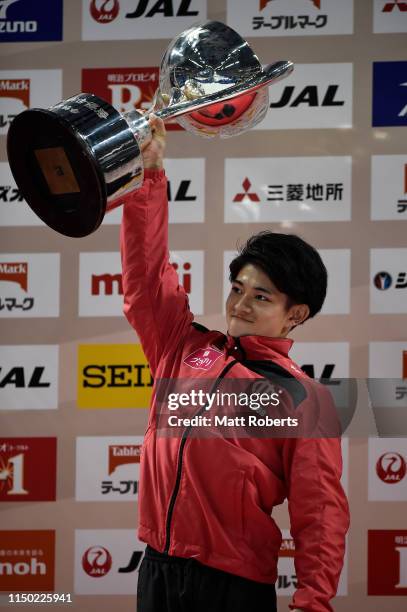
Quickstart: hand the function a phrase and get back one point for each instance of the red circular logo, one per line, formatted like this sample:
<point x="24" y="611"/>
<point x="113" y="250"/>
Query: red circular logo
<point x="104" y="11"/>
<point x="97" y="561"/>
<point x="391" y="468"/>
<point x="223" y="113"/>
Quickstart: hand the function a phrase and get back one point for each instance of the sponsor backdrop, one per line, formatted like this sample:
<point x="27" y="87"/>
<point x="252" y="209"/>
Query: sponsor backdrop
<point x="329" y="162"/>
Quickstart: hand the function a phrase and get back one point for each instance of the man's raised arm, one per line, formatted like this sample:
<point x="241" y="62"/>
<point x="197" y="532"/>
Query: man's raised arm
<point x="155" y="304"/>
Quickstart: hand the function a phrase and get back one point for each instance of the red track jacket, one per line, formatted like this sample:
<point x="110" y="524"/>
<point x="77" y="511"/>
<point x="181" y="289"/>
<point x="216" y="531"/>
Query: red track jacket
<point x="212" y="498"/>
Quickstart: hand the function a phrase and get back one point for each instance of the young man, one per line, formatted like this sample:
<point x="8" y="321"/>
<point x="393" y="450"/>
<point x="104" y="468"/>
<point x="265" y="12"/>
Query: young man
<point x="205" y="503"/>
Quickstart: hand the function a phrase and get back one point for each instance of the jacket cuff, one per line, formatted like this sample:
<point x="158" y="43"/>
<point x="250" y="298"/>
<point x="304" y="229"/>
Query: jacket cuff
<point x="155" y="174"/>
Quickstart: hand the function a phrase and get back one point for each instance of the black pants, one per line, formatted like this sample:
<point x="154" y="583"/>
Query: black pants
<point x="174" y="584"/>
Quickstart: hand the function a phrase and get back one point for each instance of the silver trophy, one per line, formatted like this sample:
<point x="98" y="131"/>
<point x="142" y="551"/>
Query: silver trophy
<point x="73" y="162"/>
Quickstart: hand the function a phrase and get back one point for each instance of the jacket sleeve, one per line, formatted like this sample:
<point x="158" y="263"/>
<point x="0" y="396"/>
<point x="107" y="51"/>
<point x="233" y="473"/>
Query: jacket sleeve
<point x="155" y="304"/>
<point x="319" y="516"/>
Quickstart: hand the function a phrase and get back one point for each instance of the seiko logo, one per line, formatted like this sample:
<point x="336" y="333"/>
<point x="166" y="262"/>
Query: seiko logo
<point x="309" y="96"/>
<point x="167" y="8"/>
<point x="117" y="376"/>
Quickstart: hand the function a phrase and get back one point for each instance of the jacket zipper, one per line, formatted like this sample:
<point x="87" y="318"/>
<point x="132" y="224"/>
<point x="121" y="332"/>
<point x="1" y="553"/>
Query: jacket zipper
<point x="180" y="457"/>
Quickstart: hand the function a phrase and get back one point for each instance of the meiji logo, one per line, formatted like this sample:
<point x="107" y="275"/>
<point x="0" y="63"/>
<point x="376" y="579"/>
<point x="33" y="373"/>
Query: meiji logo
<point x="391" y="468"/>
<point x="389" y="6"/>
<point x="97" y="561"/>
<point x="104" y="11"/>
<point x="253" y="197"/>
<point x="186" y="275"/>
<point x="15" y="273"/>
<point x="108" y="281"/>
<point x="264" y="3"/>
<point x="162" y="7"/>
<point x="202" y="359"/>
<point x="17" y="89"/>
<point x="122" y="454"/>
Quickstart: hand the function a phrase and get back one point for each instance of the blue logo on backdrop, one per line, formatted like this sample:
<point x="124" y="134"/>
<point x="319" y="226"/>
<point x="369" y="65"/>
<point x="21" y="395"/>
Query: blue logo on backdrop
<point x="30" y="20"/>
<point x="389" y="93"/>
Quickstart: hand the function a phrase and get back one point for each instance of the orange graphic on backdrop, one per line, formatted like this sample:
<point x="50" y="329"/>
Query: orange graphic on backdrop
<point x="17" y="89"/>
<point x="27" y="560"/>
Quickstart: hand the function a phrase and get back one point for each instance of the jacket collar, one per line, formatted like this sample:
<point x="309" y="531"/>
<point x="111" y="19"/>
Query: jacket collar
<point x="258" y="347"/>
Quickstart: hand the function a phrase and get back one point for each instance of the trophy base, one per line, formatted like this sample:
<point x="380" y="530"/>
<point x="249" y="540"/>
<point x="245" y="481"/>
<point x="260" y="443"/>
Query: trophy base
<point x="56" y="172"/>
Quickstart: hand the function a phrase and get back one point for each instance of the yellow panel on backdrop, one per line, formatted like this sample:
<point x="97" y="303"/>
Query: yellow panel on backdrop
<point x="113" y="376"/>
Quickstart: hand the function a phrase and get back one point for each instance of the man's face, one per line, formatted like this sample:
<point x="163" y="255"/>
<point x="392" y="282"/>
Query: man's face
<point x="256" y="307"/>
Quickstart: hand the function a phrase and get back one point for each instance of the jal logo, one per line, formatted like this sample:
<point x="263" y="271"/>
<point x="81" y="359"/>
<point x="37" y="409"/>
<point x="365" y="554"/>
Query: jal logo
<point x="311" y="96"/>
<point x="326" y="374"/>
<point x="133" y="563"/>
<point x="20" y="378"/>
<point x="384" y="280"/>
<point x="104" y="11"/>
<point x="391" y="468"/>
<point x="395" y="4"/>
<point x="180" y="192"/>
<point x="202" y="359"/>
<point x="97" y="561"/>
<point x="121" y="454"/>
<point x="246" y="194"/>
<point x="15" y="272"/>
<point x="166" y="8"/>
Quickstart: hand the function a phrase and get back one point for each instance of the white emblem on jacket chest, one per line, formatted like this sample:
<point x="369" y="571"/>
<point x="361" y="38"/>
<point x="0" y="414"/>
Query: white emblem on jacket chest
<point x="202" y="358"/>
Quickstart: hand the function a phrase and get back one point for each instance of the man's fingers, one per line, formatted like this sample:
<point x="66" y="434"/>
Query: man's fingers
<point x="157" y="125"/>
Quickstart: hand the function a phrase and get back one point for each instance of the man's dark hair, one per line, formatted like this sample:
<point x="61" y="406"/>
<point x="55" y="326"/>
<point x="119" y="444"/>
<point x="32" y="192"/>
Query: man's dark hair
<point x="293" y="265"/>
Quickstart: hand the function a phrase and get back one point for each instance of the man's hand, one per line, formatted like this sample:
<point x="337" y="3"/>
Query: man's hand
<point x="154" y="152"/>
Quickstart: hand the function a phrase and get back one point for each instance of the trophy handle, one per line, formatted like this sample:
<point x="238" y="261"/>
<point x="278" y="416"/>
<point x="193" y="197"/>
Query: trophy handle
<point x="272" y="73"/>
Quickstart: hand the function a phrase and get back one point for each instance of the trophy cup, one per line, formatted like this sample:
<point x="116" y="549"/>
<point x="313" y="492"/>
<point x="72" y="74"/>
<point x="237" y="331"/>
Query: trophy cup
<point x="73" y="161"/>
